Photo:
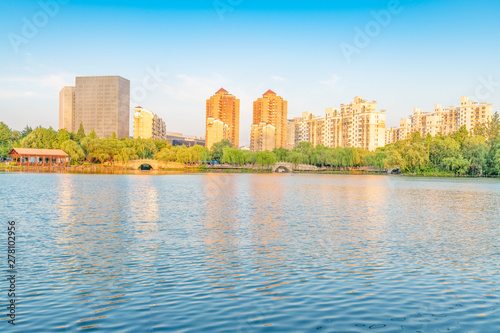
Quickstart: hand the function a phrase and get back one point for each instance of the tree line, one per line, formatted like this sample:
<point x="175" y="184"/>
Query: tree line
<point x="460" y="153"/>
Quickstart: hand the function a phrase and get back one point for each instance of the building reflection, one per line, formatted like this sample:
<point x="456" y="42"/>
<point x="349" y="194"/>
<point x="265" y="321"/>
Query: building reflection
<point x="96" y="244"/>
<point x="144" y="206"/>
<point x="222" y="231"/>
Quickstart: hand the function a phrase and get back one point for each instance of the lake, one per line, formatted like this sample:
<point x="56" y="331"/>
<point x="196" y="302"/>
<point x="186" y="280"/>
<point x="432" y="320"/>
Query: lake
<point x="252" y="253"/>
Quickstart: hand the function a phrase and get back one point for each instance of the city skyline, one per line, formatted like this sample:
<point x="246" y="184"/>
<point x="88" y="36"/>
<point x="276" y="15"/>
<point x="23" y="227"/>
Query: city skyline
<point x="317" y="56"/>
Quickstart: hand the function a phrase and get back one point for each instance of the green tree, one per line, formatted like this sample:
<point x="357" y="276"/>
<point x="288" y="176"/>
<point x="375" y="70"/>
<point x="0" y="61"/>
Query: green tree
<point x="44" y="138"/>
<point x="265" y="158"/>
<point x="281" y="154"/>
<point x="377" y="159"/>
<point x="92" y="134"/>
<point x="217" y="149"/>
<point x="25" y="132"/>
<point x="62" y="136"/>
<point x="296" y="157"/>
<point x="306" y="149"/>
<point x="233" y="156"/>
<point x="183" y="155"/>
<point x="5" y="134"/>
<point x="144" y="148"/>
<point x="167" y="154"/>
<point x="458" y="165"/>
<point x="196" y="153"/>
<point x="90" y="147"/>
<point x="461" y="135"/>
<point x="80" y="134"/>
<point x="476" y="152"/>
<point x="74" y="151"/>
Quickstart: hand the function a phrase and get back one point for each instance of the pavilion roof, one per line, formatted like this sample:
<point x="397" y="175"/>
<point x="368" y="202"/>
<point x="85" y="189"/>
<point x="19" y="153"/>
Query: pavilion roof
<point x="38" y="152"/>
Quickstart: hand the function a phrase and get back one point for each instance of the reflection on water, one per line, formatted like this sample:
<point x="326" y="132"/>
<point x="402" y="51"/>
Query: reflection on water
<point x="227" y="252"/>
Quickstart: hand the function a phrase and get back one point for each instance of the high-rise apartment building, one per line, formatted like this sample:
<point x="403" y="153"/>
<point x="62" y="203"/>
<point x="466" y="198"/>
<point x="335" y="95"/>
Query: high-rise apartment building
<point x="270" y="109"/>
<point x="391" y="135"/>
<point x="216" y="131"/>
<point x="307" y="128"/>
<point x="363" y="125"/>
<point x="290" y="134"/>
<point x="224" y="107"/>
<point x="67" y="109"/>
<point x="357" y="124"/>
<point x="262" y="137"/>
<point x="446" y="120"/>
<point x="100" y="103"/>
<point x="147" y="125"/>
<point x="404" y="129"/>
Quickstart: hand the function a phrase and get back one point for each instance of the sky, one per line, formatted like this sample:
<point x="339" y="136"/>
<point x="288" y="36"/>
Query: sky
<point x="404" y="54"/>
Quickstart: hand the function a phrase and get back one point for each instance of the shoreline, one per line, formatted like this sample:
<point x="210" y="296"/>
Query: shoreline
<point x="117" y="170"/>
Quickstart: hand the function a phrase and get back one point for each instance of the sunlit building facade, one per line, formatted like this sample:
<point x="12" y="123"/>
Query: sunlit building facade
<point x="224" y="107"/>
<point x="290" y="134"/>
<point x="358" y="124"/>
<point x="270" y="109"/>
<point x="446" y="120"/>
<point x="391" y="135"/>
<point x="216" y="131"/>
<point x="100" y="104"/>
<point x="147" y="125"/>
<point x="262" y="137"/>
<point x="67" y="109"/>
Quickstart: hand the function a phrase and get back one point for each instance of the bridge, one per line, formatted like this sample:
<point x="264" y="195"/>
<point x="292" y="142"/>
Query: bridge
<point x="290" y="167"/>
<point x="155" y="165"/>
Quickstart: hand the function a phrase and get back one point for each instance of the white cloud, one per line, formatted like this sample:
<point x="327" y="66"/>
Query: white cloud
<point x="278" y="78"/>
<point x="332" y="83"/>
<point x="52" y="81"/>
<point x="191" y="88"/>
<point x="7" y="94"/>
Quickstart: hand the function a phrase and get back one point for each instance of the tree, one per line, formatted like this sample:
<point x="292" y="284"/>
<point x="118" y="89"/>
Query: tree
<point x="196" y="153"/>
<point x="93" y="134"/>
<point x="183" y="155"/>
<point x="44" y="138"/>
<point x="495" y="169"/>
<point x="5" y="134"/>
<point x="89" y="146"/>
<point x="74" y="151"/>
<point x="377" y="159"/>
<point x="281" y="154"/>
<point x="160" y="144"/>
<point x="25" y="132"/>
<point x="458" y="165"/>
<point x="167" y="154"/>
<point x="265" y="158"/>
<point x="233" y="156"/>
<point x="144" y="148"/>
<point x="461" y="135"/>
<point x="490" y="130"/>
<point x="62" y="136"/>
<point x="80" y="134"/>
<point x="217" y="149"/>
<point x="476" y="152"/>
<point x="124" y="155"/>
<point x="306" y="149"/>
<point x="295" y="158"/>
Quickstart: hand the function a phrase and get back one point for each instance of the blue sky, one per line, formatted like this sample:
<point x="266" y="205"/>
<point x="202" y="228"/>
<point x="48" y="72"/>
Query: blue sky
<point x="417" y="54"/>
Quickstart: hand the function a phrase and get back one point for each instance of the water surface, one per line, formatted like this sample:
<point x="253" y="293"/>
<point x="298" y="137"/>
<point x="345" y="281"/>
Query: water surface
<point x="251" y="253"/>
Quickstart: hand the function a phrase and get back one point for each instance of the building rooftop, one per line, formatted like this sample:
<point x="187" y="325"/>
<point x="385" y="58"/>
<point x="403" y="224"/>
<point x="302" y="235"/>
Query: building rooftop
<point x="38" y="152"/>
<point x="222" y="90"/>
<point x="269" y="92"/>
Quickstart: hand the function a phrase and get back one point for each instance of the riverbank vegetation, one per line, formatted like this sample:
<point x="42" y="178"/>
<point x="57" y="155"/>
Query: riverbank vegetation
<point x="461" y="153"/>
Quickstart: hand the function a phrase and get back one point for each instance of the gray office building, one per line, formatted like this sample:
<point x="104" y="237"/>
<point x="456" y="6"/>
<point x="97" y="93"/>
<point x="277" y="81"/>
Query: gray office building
<point x="100" y="103"/>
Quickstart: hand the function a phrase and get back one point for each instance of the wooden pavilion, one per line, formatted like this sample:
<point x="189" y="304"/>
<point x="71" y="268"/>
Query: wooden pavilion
<point x="39" y="157"/>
